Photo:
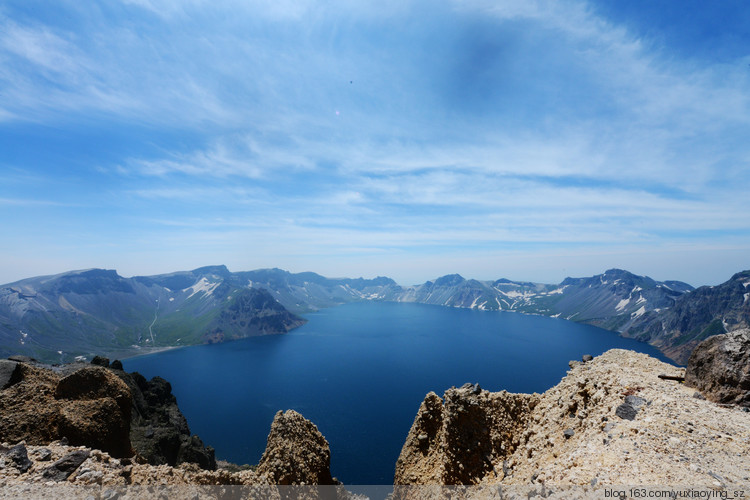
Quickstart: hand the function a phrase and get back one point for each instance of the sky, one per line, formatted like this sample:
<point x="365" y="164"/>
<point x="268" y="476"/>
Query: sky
<point x="530" y="140"/>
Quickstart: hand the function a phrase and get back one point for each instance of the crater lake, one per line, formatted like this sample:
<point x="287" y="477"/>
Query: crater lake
<point x="360" y="371"/>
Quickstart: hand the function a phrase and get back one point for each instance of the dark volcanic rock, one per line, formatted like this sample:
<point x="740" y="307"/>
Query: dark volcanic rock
<point x="296" y="452"/>
<point x="67" y="465"/>
<point x="626" y="411"/>
<point x="159" y="432"/>
<point x="9" y="373"/>
<point x="19" y="457"/>
<point x="21" y="359"/>
<point x="43" y="454"/>
<point x="101" y="361"/>
<point x="720" y="368"/>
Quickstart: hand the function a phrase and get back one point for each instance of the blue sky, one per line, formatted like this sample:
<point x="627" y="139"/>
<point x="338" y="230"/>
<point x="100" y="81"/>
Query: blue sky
<point x="523" y="139"/>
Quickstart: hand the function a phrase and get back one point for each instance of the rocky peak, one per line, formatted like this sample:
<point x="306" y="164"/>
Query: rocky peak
<point x="720" y="368"/>
<point x="296" y="452"/>
<point x="463" y="437"/>
<point x="449" y="280"/>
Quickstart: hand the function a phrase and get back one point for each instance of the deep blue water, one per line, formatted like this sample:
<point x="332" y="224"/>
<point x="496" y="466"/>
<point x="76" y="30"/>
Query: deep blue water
<point x="360" y="371"/>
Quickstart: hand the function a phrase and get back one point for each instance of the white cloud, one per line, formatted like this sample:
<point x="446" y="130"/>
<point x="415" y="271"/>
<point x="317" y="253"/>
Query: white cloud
<point x="582" y="134"/>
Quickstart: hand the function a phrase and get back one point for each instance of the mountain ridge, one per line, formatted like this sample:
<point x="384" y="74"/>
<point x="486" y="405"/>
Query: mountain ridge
<point x="96" y="310"/>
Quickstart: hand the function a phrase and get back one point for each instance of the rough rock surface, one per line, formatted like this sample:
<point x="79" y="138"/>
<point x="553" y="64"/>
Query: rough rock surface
<point x="86" y="466"/>
<point x="159" y="431"/>
<point x="103" y="408"/>
<point x="88" y="407"/>
<point x="461" y="440"/>
<point x="720" y="368"/>
<point x="296" y="452"/>
<point x="96" y="410"/>
<point x="9" y="373"/>
<point x="673" y="438"/>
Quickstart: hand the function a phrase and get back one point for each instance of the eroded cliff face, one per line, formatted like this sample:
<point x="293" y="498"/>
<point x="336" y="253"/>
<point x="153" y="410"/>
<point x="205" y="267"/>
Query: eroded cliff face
<point x="461" y="439"/>
<point x="610" y="421"/>
<point x="720" y="368"/>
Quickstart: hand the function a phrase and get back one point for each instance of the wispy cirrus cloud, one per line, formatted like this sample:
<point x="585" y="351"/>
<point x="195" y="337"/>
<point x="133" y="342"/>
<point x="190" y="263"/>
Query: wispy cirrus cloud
<point x="376" y="128"/>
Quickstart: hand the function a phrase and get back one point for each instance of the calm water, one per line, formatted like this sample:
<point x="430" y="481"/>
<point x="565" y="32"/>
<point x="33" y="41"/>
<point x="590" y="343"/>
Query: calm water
<point x="360" y="371"/>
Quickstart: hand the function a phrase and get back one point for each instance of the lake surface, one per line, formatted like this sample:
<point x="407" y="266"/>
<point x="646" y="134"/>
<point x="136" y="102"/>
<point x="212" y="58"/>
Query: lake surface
<point x="360" y="372"/>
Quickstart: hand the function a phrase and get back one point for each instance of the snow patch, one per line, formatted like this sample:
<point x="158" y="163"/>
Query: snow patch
<point x="622" y="304"/>
<point x="747" y="296"/>
<point x="640" y="312"/>
<point x="203" y="285"/>
<point x="473" y="304"/>
<point x="171" y="299"/>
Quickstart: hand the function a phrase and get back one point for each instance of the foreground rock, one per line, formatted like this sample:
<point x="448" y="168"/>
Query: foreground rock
<point x="89" y="406"/>
<point x="573" y="434"/>
<point x="159" y="432"/>
<point x="296" y="452"/>
<point x="100" y="407"/>
<point x="454" y="441"/>
<point x="70" y="424"/>
<point x="720" y="368"/>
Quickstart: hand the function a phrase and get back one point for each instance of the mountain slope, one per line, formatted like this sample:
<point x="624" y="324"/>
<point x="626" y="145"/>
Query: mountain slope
<point x="696" y="316"/>
<point x="613" y="300"/>
<point x="97" y="311"/>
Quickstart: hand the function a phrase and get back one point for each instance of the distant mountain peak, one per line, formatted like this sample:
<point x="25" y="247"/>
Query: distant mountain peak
<point x="220" y="270"/>
<point x="449" y="280"/>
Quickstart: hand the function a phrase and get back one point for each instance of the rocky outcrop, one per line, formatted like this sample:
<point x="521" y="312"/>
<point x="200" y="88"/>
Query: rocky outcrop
<point x="95" y="406"/>
<point x="720" y="368"/>
<point x="78" y="417"/>
<point x="99" y="407"/>
<point x="296" y="452"/>
<point x="90" y="406"/>
<point x="10" y="373"/>
<point x="460" y="439"/>
<point x="159" y="432"/>
<point x="610" y="421"/>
